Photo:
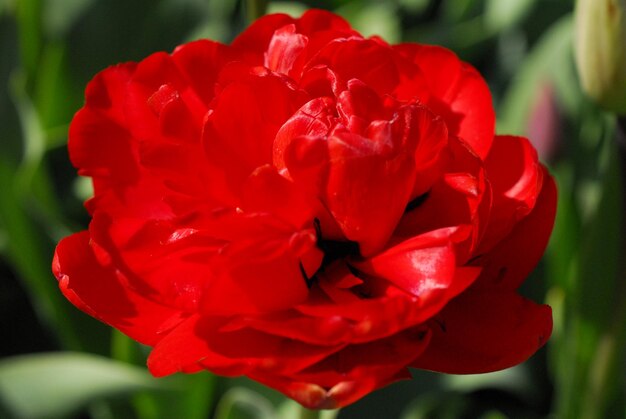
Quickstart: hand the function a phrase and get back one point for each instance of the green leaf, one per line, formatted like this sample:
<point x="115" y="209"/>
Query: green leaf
<point x="28" y="14"/>
<point x="290" y="409"/>
<point x="501" y="14"/>
<point x="601" y="322"/>
<point x="456" y="11"/>
<point x="494" y="414"/>
<point x="32" y="221"/>
<point x="589" y="349"/>
<point x="194" y="394"/>
<point x="444" y="405"/>
<point x="60" y="15"/>
<point x="373" y="19"/>
<point x="561" y="253"/>
<point x="241" y="403"/>
<point x="57" y="384"/>
<point x="292" y="8"/>
<point x="549" y="61"/>
<point x="415" y="6"/>
<point x="29" y="250"/>
<point x="32" y="179"/>
<point x="600" y="250"/>
<point x="194" y="398"/>
<point x="513" y="379"/>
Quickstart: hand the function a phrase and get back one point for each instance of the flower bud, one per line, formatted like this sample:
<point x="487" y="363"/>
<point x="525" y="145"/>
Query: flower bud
<point x="600" y="47"/>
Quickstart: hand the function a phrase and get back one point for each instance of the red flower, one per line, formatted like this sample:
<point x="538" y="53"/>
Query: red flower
<point x="310" y="208"/>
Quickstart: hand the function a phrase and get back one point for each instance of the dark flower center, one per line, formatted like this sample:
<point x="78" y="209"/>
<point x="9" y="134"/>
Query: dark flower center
<point x="340" y="249"/>
<point x="416" y="202"/>
<point x="333" y="250"/>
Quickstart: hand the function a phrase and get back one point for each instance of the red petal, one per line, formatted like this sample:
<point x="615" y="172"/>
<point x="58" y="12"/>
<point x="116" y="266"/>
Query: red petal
<point x="131" y="109"/>
<point x="201" y="342"/>
<point x="147" y="121"/>
<point x="314" y="21"/>
<point x="314" y="120"/>
<point x="346" y="376"/>
<point x="374" y="63"/>
<point x="200" y="63"/>
<point x="256" y="38"/>
<point x="367" y="194"/>
<point x="484" y="331"/>
<point x="454" y="199"/>
<point x="284" y="49"/>
<point x="319" y="26"/>
<point x="263" y="274"/>
<point x="100" y="289"/>
<point x="375" y="308"/>
<point x="164" y="262"/>
<point x="516" y="177"/>
<point x="424" y="266"/>
<point x="502" y="266"/>
<point x="364" y="180"/>
<point x="458" y="93"/>
<point x="99" y="144"/>
<point x="241" y="130"/>
<point x="267" y="191"/>
<point x="290" y="324"/>
<point x="432" y="139"/>
<point x="179" y="350"/>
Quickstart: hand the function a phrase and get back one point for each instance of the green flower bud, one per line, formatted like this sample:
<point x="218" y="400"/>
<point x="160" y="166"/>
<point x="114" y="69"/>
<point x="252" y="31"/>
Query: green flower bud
<point x="600" y="47"/>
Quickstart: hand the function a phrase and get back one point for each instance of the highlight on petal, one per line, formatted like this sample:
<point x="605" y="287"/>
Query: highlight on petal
<point x="420" y="265"/>
<point x="284" y="49"/>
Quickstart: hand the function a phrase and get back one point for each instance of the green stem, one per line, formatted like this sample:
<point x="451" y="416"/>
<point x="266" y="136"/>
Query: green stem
<point x="603" y="383"/>
<point x="255" y="9"/>
<point x="309" y="414"/>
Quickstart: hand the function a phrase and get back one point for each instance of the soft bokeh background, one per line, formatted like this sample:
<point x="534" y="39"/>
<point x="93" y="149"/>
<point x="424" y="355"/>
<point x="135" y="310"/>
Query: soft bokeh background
<point x="57" y="362"/>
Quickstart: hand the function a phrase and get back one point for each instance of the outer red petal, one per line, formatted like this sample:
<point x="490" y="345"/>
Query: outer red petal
<point x="298" y="40"/>
<point x="200" y="63"/>
<point x="200" y="342"/>
<point x="164" y="262"/>
<point x="513" y="259"/>
<point x="101" y="290"/>
<point x="484" y="331"/>
<point x="99" y="144"/>
<point x="256" y="39"/>
<point x="314" y="21"/>
<point x="134" y="114"/>
<point x="458" y="93"/>
<point x="516" y="177"/>
<point x="351" y="373"/>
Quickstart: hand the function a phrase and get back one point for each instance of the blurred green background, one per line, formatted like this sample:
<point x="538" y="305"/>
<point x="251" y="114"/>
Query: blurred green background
<point x="57" y="362"/>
